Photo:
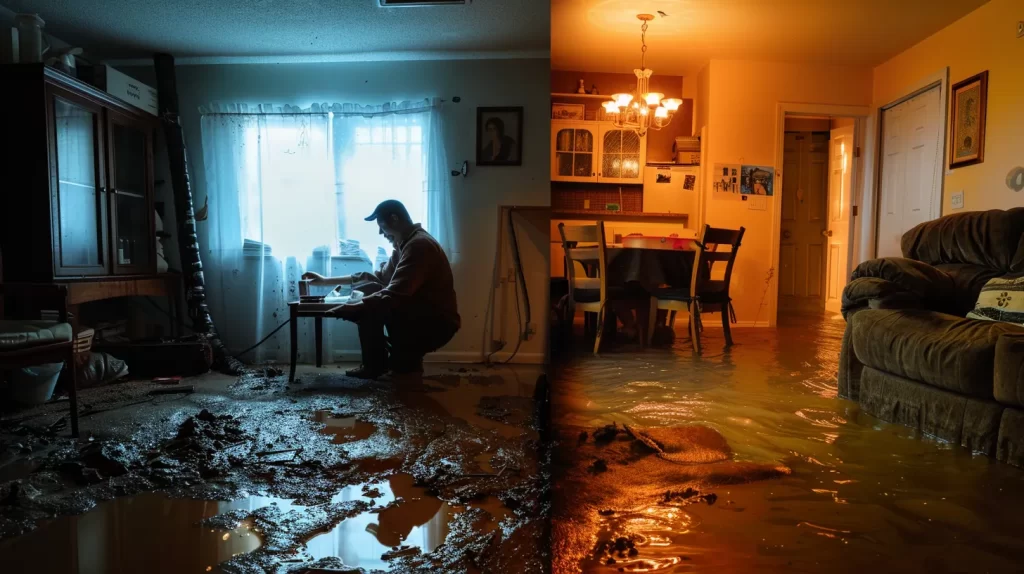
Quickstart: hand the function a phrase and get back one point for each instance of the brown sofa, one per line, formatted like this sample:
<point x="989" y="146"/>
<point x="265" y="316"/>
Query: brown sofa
<point x="910" y="356"/>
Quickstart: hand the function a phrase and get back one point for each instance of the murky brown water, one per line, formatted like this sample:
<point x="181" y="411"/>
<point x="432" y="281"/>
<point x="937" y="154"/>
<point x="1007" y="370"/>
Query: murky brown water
<point x="862" y="495"/>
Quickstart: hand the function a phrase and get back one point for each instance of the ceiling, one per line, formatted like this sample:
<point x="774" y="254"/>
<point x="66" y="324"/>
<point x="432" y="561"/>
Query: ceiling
<point x="604" y="35"/>
<point x="264" y="28"/>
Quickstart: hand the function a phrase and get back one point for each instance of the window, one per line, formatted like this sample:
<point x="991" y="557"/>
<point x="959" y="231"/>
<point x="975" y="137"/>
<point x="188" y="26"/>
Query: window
<point x="309" y="181"/>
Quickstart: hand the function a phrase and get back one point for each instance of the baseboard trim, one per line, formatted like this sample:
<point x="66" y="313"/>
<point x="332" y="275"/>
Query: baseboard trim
<point x="468" y="357"/>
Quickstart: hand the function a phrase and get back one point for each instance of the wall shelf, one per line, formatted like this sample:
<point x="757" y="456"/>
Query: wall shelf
<point x="583" y="96"/>
<point x="635" y="216"/>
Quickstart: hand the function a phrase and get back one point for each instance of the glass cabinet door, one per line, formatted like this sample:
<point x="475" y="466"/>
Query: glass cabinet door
<point x="79" y="242"/>
<point x="129" y="186"/>
<point x="621" y="155"/>
<point x="574" y="153"/>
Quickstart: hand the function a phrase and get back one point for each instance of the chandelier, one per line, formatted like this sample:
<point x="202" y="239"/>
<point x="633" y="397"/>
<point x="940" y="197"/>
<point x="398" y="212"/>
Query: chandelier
<point x="643" y="109"/>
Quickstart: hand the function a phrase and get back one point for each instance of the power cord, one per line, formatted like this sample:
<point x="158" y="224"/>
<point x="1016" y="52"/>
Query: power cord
<point x="526" y="294"/>
<point x="182" y="323"/>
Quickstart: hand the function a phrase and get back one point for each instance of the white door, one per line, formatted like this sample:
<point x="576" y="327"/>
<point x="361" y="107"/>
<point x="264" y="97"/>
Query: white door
<point x="840" y="184"/>
<point x="804" y="194"/>
<point x="911" y="178"/>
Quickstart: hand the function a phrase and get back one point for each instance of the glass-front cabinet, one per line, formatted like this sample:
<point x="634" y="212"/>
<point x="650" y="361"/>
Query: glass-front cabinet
<point x="596" y="152"/>
<point x="77" y="203"/>
<point x="130" y="201"/>
<point x="574" y="149"/>
<point x="79" y="211"/>
<point x="623" y="155"/>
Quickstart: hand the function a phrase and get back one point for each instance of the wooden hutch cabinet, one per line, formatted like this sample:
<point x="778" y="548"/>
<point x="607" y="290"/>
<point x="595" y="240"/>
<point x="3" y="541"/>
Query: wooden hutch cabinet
<point x="76" y="204"/>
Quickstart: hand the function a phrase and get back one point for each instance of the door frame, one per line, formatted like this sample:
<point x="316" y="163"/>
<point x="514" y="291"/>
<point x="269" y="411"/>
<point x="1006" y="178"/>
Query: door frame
<point x="860" y="114"/>
<point x="939" y="79"/>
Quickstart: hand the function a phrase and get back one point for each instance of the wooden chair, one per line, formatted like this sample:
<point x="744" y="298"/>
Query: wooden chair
<point x="705" y="294"/>
<point x="587" y="293"/>
<point x="30" y="342"/>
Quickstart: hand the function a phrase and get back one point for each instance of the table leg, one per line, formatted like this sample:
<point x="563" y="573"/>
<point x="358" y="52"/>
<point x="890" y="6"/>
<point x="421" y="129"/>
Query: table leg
<point x="293" y="327"/>
<point x="319" y="327"/>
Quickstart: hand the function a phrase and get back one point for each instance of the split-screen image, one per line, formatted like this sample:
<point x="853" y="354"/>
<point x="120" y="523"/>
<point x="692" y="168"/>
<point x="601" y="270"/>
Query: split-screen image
<point x="529" y="286"/>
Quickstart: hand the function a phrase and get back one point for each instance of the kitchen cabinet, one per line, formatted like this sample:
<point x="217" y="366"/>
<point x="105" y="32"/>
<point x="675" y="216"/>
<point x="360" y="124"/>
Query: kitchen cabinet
<point x="78" y="166"/>
<point x="587" y="151"/>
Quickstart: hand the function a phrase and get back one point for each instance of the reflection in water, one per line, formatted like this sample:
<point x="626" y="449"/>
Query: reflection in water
<point x="146" y="533"/>
<point x="863" y="494"/>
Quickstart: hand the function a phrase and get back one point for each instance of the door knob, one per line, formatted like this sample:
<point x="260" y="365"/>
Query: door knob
<point x="786" y="234"/>
<point x="827" y="233"/>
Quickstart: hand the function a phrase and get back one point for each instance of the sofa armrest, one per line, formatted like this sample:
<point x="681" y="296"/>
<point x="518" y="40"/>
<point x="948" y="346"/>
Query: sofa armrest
<point x="897" y="283"/>
<point x="1009" y="369"/>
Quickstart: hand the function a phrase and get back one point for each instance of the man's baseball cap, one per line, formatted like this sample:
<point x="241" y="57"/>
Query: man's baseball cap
<point x="387" y="208"/>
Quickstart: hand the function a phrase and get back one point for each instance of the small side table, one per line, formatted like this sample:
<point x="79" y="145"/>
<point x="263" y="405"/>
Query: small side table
<point x="318" y="311"/>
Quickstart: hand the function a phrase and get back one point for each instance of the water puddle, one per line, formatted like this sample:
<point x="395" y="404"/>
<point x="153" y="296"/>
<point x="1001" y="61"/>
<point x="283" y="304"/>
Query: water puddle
<point x="146" y="533"/>
<point x="344" y="429"/>
<point x="155" y="534"/>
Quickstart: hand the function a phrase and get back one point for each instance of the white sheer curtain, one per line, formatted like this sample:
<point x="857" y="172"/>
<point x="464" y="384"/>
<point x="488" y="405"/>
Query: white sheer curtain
<point x="288" y="189"/>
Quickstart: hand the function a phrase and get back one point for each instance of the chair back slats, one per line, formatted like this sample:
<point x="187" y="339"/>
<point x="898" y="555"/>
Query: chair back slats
<point x="572" y="236"/>
<point x="720" y="236"/>
<point x="708" y="252"/>
<point x="582" y="233"/>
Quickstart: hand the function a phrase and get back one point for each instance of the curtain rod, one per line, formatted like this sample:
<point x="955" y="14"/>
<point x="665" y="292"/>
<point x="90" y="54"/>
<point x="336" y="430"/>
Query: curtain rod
<point x="455" y="99"/>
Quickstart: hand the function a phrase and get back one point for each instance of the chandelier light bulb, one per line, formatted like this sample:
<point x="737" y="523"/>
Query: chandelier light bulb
<point x="672" y="104"/>
<point x="653" y="98"/>
<point x="661" y="112"/>
<point x="611" y="107"/>
<point x="622" y="100"/>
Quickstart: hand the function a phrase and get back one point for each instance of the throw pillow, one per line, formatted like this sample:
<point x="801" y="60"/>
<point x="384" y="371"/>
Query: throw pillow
<point x="1001" y="299"/>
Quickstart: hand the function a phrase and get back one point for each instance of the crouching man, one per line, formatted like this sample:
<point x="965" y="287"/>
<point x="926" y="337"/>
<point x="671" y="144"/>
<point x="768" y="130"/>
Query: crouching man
<point x="412" y="297"/>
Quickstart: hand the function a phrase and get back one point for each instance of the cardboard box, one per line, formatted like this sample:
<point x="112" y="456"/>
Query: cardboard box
<point x="128" y="89"/>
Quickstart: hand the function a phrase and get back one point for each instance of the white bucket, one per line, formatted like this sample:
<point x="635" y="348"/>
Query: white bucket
<point x="34" y="385"/>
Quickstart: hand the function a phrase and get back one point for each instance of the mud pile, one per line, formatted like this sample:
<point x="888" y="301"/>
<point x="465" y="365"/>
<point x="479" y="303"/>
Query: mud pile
<point x="610" y="478"/>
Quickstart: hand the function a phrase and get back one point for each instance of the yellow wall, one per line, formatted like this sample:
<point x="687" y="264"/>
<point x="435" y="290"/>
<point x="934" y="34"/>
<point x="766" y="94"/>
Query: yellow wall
<point x="741" y="114"/>
<point x="983" y="40"/>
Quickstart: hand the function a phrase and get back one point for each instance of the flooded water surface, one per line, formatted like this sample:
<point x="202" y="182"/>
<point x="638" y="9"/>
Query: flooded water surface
<point x="860" y="494"/>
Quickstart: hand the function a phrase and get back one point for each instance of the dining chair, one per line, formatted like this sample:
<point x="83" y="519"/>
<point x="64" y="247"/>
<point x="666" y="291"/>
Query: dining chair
<point x="585" y="244"/>
<point x="705" y="295"/>
<point x="27" y="342"/>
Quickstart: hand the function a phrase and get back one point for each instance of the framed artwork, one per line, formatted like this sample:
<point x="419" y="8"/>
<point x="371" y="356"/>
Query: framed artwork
<point x="499" y="136"/>
<point x="967" y="121"/>
<point x="568" y="112"/>
<point x="757" y="180"/>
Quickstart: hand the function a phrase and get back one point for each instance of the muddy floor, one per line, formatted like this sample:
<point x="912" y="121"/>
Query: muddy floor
<point x="254" y="474"/>
<point x="745" y="460"/>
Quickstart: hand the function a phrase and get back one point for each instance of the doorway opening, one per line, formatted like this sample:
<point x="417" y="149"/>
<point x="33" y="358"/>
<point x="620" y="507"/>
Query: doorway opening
<point x="815" y="235"/>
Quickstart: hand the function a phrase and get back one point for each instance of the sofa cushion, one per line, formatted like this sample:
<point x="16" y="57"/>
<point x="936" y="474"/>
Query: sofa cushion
<point x="1001" y="299"/>
<point x="968" y="281"/>
<point x="991" y="239"/>
<point x="942" y="350"/>
<point x="1009" y="369"/>
<point x="22" y="334"/>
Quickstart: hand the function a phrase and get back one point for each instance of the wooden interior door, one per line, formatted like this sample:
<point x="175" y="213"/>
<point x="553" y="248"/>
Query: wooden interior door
<point x="840" y="185"/>
<point x="910" y="181"/>
<point x="802" y="245"/>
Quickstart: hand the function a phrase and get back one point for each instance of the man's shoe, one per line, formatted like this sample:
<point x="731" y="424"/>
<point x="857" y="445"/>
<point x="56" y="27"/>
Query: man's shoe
<point x="364" y="372"/>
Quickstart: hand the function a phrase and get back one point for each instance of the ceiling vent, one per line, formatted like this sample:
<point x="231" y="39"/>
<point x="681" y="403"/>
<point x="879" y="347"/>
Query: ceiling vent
<point x="411" y="3"/>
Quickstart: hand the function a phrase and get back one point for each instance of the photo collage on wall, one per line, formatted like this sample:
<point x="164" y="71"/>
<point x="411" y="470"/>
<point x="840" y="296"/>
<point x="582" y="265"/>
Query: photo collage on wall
<point x="733" y="181"/>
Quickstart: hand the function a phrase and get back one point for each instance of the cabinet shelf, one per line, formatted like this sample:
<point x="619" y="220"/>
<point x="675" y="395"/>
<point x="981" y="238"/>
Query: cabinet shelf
<point x="582" y="96"/>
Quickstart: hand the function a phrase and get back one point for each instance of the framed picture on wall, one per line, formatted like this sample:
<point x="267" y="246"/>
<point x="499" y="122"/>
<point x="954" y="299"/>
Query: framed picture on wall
<point x="967" y="121"/>
<point x="499" y="136"/>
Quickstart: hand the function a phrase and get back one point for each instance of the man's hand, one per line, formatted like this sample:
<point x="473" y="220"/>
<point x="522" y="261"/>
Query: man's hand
<point x="313" y="278"/>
